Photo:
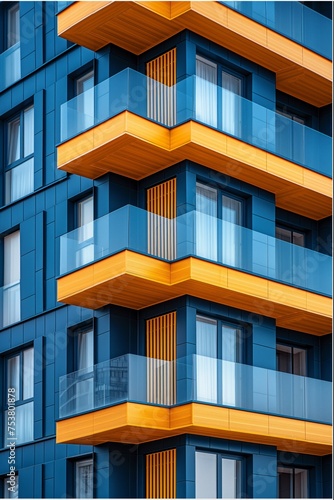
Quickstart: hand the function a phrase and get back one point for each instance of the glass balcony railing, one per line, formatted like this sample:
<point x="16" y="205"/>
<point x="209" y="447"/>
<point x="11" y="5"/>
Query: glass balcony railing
<point x="10" y="64"/>
<point x="292" y="20"/>
<point x="199" y="235"/>
<point x="197" y="99"/>
<point x="194" y="378"/>
<point x="10" y="305"/>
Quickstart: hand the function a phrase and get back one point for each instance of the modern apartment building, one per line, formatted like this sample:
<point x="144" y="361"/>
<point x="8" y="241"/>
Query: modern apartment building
<point x="165" y="249"/>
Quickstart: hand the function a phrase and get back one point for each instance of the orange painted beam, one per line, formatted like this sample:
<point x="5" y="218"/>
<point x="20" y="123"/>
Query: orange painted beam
<point x="139" y="25"/>
<point x="117" y="279"/>
<point x="135" y="147"/>
<point x="138" y="423"/>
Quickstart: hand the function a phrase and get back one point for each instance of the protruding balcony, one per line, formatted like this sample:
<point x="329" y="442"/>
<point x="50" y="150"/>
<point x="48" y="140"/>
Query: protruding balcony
<point x="134" y="126"/>
<point x="194" y="254"/>
<point x="137" y="26"/>
<point x="123" y="399"/>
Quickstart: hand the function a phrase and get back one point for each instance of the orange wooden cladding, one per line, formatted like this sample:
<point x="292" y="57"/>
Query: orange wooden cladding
<point x="161" y="474"/>
<point x="137" y="26"/>
<point x="117" y="279"/>
<point x="161" y="337"/>
<point x="136" y="147"/>
<point x="163" y="68"/>
<point x="135" y="423"/>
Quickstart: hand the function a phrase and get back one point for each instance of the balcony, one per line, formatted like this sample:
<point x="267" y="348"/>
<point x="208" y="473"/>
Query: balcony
<point x="292" y="20"/>
<point x="273" y="403"/>
<point x="145" y="126"/>
<point x="10" y="64"/>
<point x="137" y="26"/>
<point x="195" y="254"/>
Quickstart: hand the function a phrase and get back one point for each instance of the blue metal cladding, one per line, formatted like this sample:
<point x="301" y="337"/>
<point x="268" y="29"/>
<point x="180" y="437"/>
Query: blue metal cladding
<point x="40" y="70"/>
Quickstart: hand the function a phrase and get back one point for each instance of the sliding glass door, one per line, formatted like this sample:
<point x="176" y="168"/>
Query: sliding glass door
<point x="206" y="221"/>
<point x="218" y="349"/>
<point x="206" y="91"/>
<point x="231" y="104"/>
<point x="218" y="222"/>
<point x="231" y="231"/>
<point x="212" y="93"/>
<point x="206" y="350"/>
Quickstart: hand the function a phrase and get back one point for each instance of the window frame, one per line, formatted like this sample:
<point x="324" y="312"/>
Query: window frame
<point x="220" y="322"/>
<point x="292" y="230"/>
<point x="224" y="192"/>
<point x="10" y="7"/>
<point x="222" y="67"/>
<point x="20" y="401"/>
<point x="76" y="465"/>
<point x="292" y="347"/>
<point x="8" y="286"/>
<point x="218" y="254"/>
<point x="10" y="166"/>
<point x="6" y="485"/>
<point x="293" y="468"/>
<point x="220" y="455"/>
<point x="83" y="243"/>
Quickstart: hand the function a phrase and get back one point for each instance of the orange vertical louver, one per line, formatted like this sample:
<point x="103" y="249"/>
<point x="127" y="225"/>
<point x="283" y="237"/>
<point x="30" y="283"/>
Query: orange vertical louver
<point x="161" y="355"/>
<point x="161" y="98"/>
<point x="161" y="474"/>
<point x="161" y="205"/>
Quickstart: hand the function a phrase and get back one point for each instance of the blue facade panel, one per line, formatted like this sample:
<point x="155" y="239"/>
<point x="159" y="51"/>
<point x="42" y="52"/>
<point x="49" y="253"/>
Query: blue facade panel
<point x="50" y="66"/>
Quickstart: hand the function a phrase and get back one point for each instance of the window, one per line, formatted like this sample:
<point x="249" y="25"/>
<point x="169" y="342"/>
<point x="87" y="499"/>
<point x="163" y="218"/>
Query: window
<point x="84" y="479"/>
<point x="217" y="476"/>
<point x="290" y="256"/>
<point x="84" y="90"/>
<point x="292" y="482"/>
<point x="84" y="365"/>
<point x="291" y="359"/>
<point x="218" y="88"/>
<point x="10" y="60"/>
<point x="11" y="312"/>
<point x="218" y="219"/>
<point x="20" y="376"/>
<point x="290" y="134"/>
<point x="85" y="224"/>
<point x="11" y="487"/>
<point x="290" y="235"/>
<point x="13" y="25"/>
<point x="216" y="380"/>
<point x="19" y="177"/>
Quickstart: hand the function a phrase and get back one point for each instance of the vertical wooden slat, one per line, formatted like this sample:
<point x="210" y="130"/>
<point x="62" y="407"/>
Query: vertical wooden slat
<point x="161" y="101"/>
<point x="161" y="474"/>
<point x="161" y="354"/>
<point x="161" y="202"/>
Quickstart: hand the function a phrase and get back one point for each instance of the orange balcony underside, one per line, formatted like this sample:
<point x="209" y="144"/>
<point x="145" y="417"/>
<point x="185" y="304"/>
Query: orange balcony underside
<point x="137" y="26"/>
<point x="117" y="279"/>
<point x="132" y="146"/>
<point x="138" y="423"/>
